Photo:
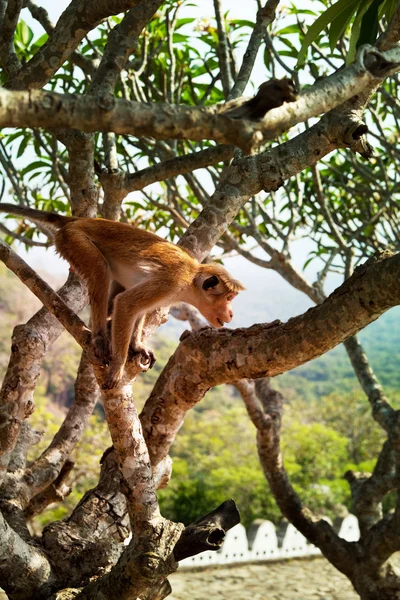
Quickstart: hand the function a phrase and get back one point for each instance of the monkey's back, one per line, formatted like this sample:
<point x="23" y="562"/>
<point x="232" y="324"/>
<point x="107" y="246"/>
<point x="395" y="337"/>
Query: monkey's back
<point x="123" y="244"/>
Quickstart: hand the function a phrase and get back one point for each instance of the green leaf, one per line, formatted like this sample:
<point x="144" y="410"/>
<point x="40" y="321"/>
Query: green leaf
<point x="182" y="22"/>
<point x="23" y="33"/>
<point x="37" y="164"/>
<point x="179" y="38"/>
<point x="339" y="25"/>
<point x="320" y="24"/>
<point x="23" y="145"/>
<point x="243" y="23"/>
<point x="369" y="25"/>
<point x="355" y="31"/>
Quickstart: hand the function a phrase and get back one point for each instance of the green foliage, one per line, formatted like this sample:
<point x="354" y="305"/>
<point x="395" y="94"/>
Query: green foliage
<point x="327" y="427"/>
<point x="215" y="458"/>
<point x="362" y="16"/>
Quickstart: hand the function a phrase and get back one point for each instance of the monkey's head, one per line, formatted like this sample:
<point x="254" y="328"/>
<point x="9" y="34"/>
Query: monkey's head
<point x="216" y="290"/>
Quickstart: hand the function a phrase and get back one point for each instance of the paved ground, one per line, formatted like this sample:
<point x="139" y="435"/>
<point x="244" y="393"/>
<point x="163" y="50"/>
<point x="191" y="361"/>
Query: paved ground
<point x="312" y="579"/>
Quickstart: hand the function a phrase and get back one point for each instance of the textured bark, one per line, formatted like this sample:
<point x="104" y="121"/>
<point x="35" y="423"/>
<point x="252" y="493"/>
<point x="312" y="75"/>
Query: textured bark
<point x="22" y="487"/>
<point x="29" y="346"/>
<point x="90" y="540"/>
<point x="132" y="455"/>
<point x="8" y="22"/>
<point x="16" y="556"/>
<point x="80" y="17"/>
<point x="165" y="121"/>
<point x="208" y="532"/>
<point x="143" y="564"/>
<point x="211" y="357"/>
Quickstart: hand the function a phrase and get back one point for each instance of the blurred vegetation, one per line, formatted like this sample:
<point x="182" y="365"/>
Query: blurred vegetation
<point x="324" y="434"/>
<point x="327" y="427"/>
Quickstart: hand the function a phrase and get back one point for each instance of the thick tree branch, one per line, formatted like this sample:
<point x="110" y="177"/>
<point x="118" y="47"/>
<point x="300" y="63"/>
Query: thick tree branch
<point x="80" y="17"/>
<point x="8" y="24"/>
<point x="165" y="121"/>
<point x="212" y="357"/>
<point x="33" y="568"/>
<point x="98" y="525"/>
<point x="30" y="344"/>
<point x="24" y="486"/>
<point x="144" y="564"/>
<point x="208" y="532"/>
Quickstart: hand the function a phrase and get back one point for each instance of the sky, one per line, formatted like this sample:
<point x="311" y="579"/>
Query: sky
<point x="260" y="283"/>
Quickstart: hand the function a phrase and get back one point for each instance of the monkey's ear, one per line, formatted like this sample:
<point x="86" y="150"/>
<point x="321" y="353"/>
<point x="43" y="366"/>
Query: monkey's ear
<point x="210" y="283"/>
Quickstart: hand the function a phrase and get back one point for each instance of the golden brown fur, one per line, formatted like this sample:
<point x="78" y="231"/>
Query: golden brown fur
<point x="141" y="271"/>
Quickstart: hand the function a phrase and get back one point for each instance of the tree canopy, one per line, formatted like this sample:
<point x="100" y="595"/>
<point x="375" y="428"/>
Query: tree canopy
<point x="139" y="111"/>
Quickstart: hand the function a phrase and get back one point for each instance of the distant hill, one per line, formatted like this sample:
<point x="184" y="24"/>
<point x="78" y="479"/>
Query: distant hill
<point x="266" y="298"/>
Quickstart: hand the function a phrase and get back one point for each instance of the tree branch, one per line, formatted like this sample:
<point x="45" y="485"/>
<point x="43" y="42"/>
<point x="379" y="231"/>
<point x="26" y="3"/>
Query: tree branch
<point x="16" y="556"/>
<point x="8" y="24"/>
<point x="265" y="16"/>
<point x="30" y="344"/>
<point x="46" y="469"/>
<point x="212" y="357"/>
<point x="50" y="299"/>
<point x="165" y="121"/>
<point x="80" y="17"/>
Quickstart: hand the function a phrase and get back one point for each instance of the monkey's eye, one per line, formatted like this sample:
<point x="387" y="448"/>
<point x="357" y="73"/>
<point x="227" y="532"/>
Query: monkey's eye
<point x="210" y="283"/>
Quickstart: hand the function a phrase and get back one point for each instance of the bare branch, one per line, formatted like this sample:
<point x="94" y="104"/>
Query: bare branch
<point x="30" y="344"/>
<point x="338" y="551"/>
<point x="222" y="49"/>
<point x="165" y="121"/>
<point x="8" y="24"/>
<point x="176" y="166"/>
<point x="23" y="238"/>
<point x="265" y="16"/>
<point x="46" y="295"/>
<point x="47" y="468"/>
<point x="76" y="21"/>
<point x="123" y="40"/>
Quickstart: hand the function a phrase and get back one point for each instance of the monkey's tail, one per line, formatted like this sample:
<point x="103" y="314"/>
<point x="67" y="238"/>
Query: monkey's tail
<point x="50" y="220"/>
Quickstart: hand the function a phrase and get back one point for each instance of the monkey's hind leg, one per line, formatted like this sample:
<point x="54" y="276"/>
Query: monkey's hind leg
<point x="90" y="264"/>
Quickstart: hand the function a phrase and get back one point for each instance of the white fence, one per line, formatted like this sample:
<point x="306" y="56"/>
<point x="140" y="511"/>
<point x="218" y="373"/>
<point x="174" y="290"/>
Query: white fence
<point x="263" y="541"/>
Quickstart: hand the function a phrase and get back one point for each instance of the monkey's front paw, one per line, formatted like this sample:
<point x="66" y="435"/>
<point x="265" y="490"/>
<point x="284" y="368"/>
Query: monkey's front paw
<point x="144" y="355"/>
<point x="113" y="376"/>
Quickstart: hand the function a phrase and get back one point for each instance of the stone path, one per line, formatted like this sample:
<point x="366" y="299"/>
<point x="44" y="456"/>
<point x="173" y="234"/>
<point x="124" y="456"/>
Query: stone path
<point x="312" y="579"/>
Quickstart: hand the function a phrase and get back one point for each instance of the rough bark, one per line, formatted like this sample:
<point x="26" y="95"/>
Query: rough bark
<point x="77" y="20"/>
<point x="211" y="357"/>
<point x="165" y="121"/>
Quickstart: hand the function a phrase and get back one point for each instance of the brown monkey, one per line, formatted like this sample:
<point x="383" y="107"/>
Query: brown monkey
<point x="271" y="94"/>
<point x="143" y="272"/>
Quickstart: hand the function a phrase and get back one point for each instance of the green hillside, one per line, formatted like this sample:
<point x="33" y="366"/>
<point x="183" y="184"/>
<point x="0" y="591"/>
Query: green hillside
<point x="326" y="374"/>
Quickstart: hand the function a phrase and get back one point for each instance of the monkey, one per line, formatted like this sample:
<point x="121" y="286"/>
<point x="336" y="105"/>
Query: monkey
<point x="136" y="271"/>
<point x="271" y="94"/>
